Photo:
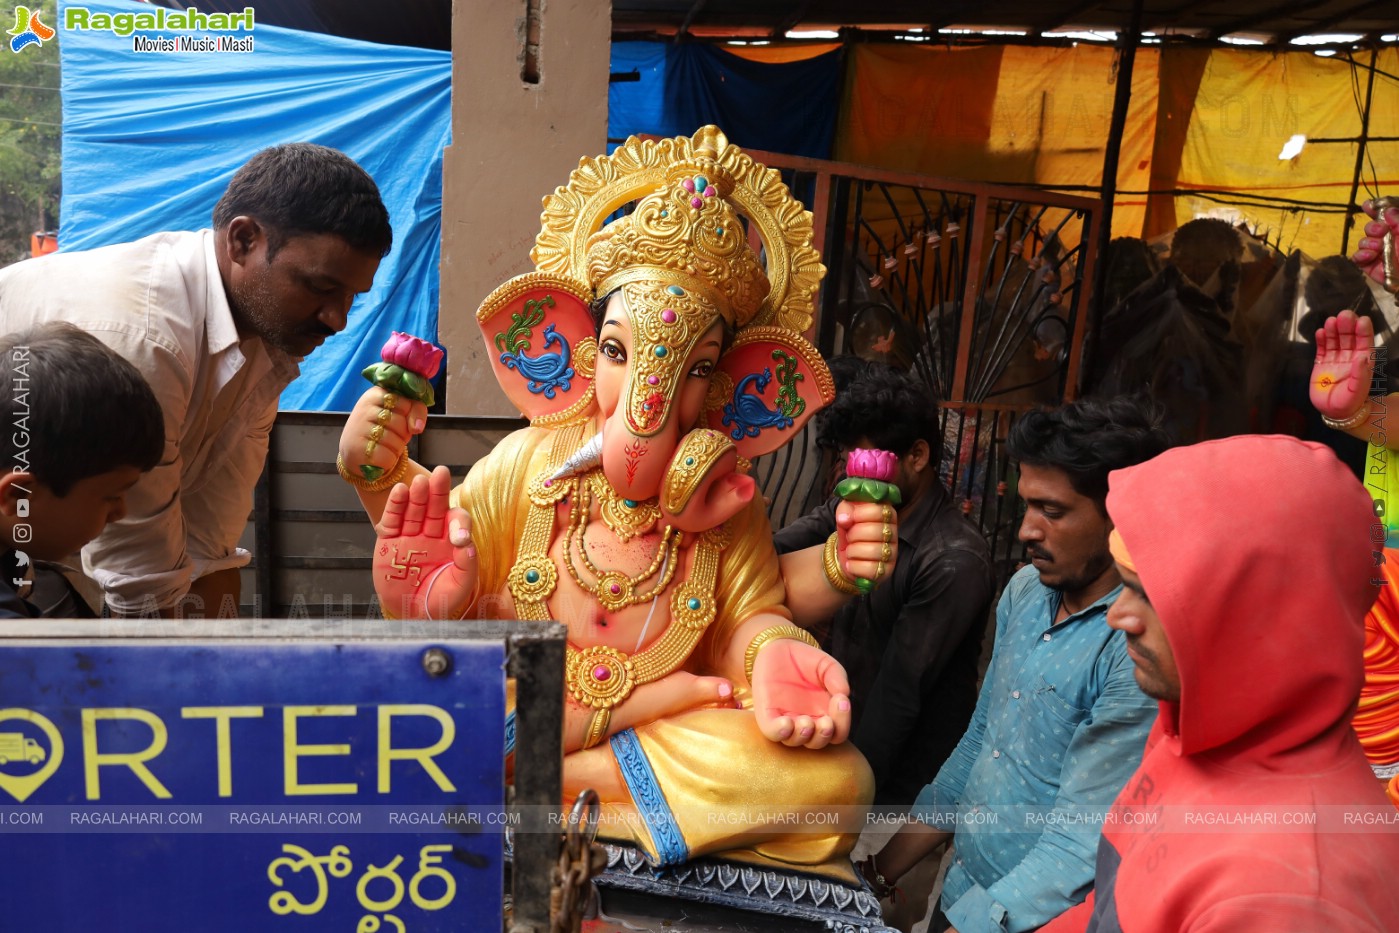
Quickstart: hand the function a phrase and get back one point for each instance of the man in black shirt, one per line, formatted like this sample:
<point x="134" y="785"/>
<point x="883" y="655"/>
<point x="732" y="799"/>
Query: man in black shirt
<point x="911" y="646"/>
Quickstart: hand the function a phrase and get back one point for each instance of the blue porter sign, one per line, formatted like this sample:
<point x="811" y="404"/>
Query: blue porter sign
<point x="324" y="782"/>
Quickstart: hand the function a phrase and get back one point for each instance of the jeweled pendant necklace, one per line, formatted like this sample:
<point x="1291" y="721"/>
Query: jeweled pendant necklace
<point x="626" y="518"/>
<point x="615" y="590"/>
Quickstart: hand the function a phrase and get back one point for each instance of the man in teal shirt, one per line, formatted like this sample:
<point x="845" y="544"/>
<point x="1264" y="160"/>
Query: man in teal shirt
<point x="1060" y="721"/>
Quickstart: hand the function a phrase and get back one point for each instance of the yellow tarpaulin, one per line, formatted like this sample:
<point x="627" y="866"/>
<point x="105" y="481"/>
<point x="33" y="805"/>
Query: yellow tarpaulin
<point x="1249" y="105"/>
<point x="1209" y="120"/>
<point x="1053" y="109"/>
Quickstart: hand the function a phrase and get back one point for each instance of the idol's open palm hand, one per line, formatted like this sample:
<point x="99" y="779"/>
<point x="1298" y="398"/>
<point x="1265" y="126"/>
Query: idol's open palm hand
<point x="801" y="695"/>
<point x="424" y="560"/>
<point x="1341" y="375"/>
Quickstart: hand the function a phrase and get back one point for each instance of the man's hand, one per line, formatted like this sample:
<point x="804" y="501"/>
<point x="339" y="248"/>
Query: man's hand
<point x="424" y="560"/>
<point x="801" y="696"/>
<point x="1341" y="375"/>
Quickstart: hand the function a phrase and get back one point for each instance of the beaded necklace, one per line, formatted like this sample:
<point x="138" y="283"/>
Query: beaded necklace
<point x="601" y="677"/>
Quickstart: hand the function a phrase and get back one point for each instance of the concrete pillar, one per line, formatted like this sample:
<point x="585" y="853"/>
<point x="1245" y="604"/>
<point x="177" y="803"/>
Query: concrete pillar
<point x="529" y="99"/>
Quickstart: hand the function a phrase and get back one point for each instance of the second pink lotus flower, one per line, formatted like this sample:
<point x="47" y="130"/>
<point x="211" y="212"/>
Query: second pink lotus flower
<point x="872" y="464"/>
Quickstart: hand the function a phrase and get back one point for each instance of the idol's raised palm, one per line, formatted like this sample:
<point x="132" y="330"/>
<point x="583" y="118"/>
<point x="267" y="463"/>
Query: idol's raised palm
<point x="424" y="560"/>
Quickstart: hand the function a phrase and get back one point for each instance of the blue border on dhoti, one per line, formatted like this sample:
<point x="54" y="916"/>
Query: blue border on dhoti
<point x="650" y="801"/>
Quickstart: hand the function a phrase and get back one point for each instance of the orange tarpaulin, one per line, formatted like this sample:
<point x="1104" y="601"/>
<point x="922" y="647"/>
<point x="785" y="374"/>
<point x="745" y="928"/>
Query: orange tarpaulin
<point x="919" y="110"/>
<point x="779" y="54"/>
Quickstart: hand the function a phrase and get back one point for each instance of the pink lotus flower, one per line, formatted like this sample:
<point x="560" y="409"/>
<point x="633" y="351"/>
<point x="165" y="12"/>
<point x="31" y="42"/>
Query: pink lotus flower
<point x="872" y="464"/>
<point x="415" y="355"/>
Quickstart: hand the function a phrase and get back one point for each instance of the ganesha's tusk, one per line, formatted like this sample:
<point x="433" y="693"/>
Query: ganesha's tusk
<point x="581" y="460"/>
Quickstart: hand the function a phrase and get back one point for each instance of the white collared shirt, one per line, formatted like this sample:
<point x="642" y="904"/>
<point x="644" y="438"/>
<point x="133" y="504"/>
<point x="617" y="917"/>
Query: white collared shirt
<point x="160" y="303"/>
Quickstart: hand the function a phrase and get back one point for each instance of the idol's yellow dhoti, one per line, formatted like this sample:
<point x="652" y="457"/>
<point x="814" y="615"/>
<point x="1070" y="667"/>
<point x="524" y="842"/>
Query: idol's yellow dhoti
<point x="706" y="781"/>
<point x="709" y="782"/>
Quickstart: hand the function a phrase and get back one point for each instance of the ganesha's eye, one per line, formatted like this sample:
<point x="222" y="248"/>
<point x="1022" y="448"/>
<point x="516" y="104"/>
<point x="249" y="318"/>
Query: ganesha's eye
<point x="702" y="369"/>
<point x="614" y="351"/>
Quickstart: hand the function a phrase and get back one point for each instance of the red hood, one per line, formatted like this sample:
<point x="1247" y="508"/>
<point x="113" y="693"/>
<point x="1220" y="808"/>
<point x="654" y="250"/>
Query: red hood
<point x="1256" y="554"/>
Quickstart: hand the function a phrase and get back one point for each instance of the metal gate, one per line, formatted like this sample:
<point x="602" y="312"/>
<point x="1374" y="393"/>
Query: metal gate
<point x="980" y="290"/>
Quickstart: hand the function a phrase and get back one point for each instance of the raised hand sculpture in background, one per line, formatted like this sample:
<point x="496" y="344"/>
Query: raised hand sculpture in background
<point x="1340" y="386"/>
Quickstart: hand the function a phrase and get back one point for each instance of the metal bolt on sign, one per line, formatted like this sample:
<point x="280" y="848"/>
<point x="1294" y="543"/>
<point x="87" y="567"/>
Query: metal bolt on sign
<point x="436" y="662"/>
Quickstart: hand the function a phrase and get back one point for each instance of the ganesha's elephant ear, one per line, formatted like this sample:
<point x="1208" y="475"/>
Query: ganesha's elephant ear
<point x="542" y="345"/>
<point x="765" y="388"/>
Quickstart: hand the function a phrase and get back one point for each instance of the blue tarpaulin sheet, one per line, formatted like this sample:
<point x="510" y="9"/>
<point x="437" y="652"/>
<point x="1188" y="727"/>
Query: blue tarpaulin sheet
<point x="151" y="139"/>
<point x="789" y="107"/>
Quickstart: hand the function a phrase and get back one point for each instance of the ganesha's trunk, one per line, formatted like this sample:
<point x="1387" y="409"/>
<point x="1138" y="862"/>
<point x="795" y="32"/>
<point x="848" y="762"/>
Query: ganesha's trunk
<point x="635" y="465"/>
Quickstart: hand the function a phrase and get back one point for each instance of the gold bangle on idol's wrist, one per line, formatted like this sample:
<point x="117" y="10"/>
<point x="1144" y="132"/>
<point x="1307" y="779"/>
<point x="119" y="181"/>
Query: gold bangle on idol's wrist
<point x="1354" y="421"/>
<point x="388" y="481"/>
<point x="834" y="575"/>
<point x="772" y="634"/>
<point x="597" y="727"/>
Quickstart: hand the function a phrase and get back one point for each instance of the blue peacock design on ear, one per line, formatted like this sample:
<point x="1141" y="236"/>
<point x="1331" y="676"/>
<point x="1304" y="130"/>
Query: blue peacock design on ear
<point x="546" y="373"/>
<point x="749" y="413"/>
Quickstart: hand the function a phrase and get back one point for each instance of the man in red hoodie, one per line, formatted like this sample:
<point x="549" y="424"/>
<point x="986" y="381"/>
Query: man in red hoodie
<point x="1246" y="567"/>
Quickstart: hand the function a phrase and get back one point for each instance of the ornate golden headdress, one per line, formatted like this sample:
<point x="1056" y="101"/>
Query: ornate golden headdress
<point x="682" y="256"/>
<point x="686" y="229"/>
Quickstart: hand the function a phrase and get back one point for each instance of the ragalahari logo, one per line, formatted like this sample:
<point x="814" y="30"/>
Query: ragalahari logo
<point x="29" y="30"/>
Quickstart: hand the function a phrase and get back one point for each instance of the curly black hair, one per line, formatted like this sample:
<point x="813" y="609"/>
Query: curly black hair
<point x="1088" y="439"/>
<point x="891" y="409"/>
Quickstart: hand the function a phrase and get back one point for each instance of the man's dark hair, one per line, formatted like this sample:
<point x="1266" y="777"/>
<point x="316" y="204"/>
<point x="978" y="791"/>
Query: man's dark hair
<point x="846" y="368"/>
<point x="302" y="188"/>
<point x="876" y="401"/>
<point x="1088" y="439"/>
<point x="76" y="409"/>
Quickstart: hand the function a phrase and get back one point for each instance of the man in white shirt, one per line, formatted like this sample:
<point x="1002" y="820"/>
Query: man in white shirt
<point x="217" y="321"/>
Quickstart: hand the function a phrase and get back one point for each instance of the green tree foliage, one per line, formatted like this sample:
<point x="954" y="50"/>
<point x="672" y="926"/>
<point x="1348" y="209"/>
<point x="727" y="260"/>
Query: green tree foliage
<point x="30" y="118"/>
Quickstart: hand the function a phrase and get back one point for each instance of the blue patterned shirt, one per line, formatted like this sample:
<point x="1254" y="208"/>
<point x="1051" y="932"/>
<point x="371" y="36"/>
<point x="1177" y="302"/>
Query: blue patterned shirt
<point x="1059" y="727"/>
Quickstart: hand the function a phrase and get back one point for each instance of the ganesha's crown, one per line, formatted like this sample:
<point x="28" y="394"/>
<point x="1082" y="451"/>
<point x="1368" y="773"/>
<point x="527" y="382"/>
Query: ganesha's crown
<point x="685" y="233"/>
<point x="687" y="229"/>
